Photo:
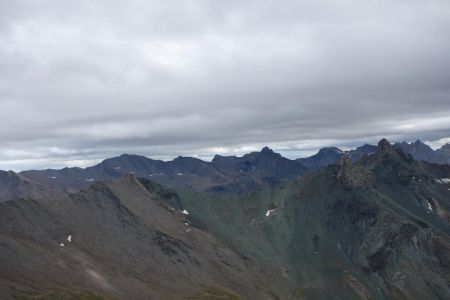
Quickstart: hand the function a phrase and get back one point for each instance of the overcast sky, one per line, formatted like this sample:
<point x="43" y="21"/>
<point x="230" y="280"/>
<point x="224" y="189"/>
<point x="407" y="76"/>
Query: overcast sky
<point x="83" y="80"/>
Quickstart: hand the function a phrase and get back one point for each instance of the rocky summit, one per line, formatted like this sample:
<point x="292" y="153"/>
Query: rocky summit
<point x="258" y="226"/>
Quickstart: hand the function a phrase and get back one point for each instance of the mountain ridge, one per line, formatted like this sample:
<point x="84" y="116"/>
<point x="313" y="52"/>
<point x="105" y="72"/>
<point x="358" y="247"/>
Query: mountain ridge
<point x="182" y="172"/>
<point x="252" y="171"/>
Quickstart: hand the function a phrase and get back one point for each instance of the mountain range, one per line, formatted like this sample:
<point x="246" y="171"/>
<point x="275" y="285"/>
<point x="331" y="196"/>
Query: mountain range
<point x="251" y="172"/>
<point x="418" y="150"/>
<point x="369" y="223"/>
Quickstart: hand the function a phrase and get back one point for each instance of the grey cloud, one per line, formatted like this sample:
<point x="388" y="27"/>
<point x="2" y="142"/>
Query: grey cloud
<point x="165" y="78"/>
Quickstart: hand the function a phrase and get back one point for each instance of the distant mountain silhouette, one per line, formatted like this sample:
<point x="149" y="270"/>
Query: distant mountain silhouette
<point x="325" y="157"/>
<point x="418" y="150"/>
<point x="330" y="155"/>
<point x="422" y="151"/>
<point x="252" y="171"/>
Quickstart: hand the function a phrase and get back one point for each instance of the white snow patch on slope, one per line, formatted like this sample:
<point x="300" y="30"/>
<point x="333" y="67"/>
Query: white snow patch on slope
<point x="443" y="180"/>
<point x="429" y="205"/>
<point x="69" y="238"/>
<point x="269" y="211"/>
<point x="156" y="174"/>
<point x="185" y="212"/>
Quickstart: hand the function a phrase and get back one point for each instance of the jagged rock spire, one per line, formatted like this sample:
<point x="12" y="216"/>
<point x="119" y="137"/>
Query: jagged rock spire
<point x="384" y="146"/>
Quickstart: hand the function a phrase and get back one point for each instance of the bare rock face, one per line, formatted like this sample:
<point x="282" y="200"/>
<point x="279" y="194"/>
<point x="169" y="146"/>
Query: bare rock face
<point x="384" y="145"/>
<point x="352" y="176"/>
<point x="345" y="161"/>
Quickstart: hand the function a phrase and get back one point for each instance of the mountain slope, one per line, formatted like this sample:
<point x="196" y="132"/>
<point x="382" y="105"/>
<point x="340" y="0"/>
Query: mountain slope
<point x="14" y="186"/>
<point x="443" y="154"/>
<point x="374" y="230"/>
<point x="120" y="240"/>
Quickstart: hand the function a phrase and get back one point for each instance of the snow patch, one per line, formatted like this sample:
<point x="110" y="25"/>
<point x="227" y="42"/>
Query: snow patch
<point x="69" y="238"/>
<point x="269" y="211"/>
<point x="443" y="180"/>
<point x="53" y="177"/>
<point x="62" y="244"/>
<point x="429" y="205"/>
<point x="179" y="174"/>
<point x="90" y="179"/>
<point x="156" y="174"/>
<point x="184" y="212"/>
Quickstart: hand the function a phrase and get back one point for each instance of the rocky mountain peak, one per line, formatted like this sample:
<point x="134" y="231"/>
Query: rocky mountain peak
<point x="384" y="146"/>
<point x="419" y="145"/>
<point x="267" y="151"/>
<point x="417" y="148"/>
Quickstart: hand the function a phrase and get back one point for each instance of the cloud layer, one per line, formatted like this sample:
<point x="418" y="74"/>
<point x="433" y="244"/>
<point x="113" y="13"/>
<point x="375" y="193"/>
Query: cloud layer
<point x="80" y="81"/>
